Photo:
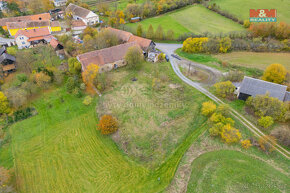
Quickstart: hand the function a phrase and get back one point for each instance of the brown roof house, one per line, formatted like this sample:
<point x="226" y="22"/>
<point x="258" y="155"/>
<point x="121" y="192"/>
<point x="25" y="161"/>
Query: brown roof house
<point x="38" y="17"/>
<point x="78" y="26"/>
<point x="26" y="38"/>
<point x="146" y="45"/>
<point x="80" y="13"/>
<point x="108" y="58"/>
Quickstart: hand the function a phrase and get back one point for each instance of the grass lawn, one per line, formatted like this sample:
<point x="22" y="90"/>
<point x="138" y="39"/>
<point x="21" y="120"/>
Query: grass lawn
<point x="60" y="150"/>
<point x="241" y="8"/>
<point x="215" y="62"/>
<point x="233" y="171"/>
<point x="196" y="19"/>
<point x="153" y="122"/>
<point x="255" y="59"/>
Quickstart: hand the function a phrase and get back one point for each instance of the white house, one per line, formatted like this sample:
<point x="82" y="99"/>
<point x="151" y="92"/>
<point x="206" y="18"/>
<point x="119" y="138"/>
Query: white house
<point x="78" y="26"/>
<point x="59" y="3"/>
<point x="80" y="13"/>
<point x="26" y="38"/>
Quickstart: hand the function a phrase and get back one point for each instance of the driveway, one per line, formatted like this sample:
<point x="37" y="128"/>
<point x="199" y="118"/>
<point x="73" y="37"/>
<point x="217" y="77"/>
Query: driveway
<point x="169" y="49"/>
<point x="214" y="74"/>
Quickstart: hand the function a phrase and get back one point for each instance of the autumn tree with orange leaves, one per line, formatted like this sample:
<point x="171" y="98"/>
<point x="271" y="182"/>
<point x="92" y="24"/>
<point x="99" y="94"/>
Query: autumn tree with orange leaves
<point x="89" y="75"/>
<point x="108" y="124"/>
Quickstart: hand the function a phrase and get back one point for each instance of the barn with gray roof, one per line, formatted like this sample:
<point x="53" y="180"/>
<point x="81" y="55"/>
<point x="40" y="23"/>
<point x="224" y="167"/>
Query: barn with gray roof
<point x="252" y="87"/>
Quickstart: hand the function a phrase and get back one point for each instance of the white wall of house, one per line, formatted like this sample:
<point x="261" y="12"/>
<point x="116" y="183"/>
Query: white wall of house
<point x="91" y="18"/>
<point x="22" y="42"/>
<point x="59" y="3"/>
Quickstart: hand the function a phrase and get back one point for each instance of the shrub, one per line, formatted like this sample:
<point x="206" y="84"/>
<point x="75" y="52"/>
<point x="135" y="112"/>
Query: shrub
<point x="225" y="45"/>
<point x="267" y="143"/>
<point x="22" y="77"/>
<point x="216" y="129"/>
<point x="246" y="24"/>
<point x="223" y="109"/>
<point x="282" y="134"/>
<point x="275" y="73"/>
<point x="87" y="100"/>
<point x="208" y="108"/>
<point x="266" y="121"/>
<point x="134" y="56"/>
<point x="194" y="45"/>
<point x="139" y="30"/>
<point x="264" y="105"/>
<point x="246" y="144"/>
<point x="42" y="80"/>
<point x="4" y="104"/>
<point x="234" y="76"/>
<point x="12" y="50"/>
<point x="108" y="124"/>
<point x="230" y="134"/>
<point x="224" y="89"/>
<point x="74" y="66"/>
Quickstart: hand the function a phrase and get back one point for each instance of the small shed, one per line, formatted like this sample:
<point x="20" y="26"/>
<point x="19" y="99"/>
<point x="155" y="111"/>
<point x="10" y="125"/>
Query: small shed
<point x="135" y="19"/>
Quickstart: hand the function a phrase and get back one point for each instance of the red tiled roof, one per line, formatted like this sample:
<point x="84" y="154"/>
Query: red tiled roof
<point x="27" y="24"/>
<point x="129" y="37"/>
<point x="38" y="17"/>
<point x="122" y="35"/>
<point x="78" y="23"/>
<point x="105" y="56"/>
<point x="142" y="42"/>
<point x="34" y="34"/>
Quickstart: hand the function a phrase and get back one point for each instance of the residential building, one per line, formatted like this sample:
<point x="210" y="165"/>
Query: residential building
<point x="80" y="13"/>
<point x="108" y="58"/>
<point x="78" y="26"/>
<point x="38" y="17"/>
<point x="27" y="38"/>
<point x="14" y="27"/>
<point x="252" y="87"/>
<point x="59" y="3"/>
<point x="145" y="44"/>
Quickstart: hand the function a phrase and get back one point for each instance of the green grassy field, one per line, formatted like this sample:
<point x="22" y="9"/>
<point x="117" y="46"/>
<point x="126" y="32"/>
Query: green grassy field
<point x="153" y="122"/>
<point x="196" y="19"/>
<point x="60" y="150"/>
<point x="233" y="171"/>
<point x="241" y="8"/>
<point x="214" y="62"/>
<point x="255" y="59"/>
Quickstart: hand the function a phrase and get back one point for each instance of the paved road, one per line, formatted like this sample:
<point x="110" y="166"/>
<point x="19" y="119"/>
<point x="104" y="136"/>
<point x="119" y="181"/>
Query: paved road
<point x="169" y="49"/>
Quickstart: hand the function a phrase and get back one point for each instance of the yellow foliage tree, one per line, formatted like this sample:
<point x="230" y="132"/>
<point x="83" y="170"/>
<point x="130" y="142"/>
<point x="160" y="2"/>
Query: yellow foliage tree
<point x="275" y="73"/>
<point x="246" y="144"/>
<point x="194" y="45"/>
<point x="41" y="79"/>
<point x="89" y="75"/>
<point x="108" y="124"/>
<point x="230" y="135"/>
<point x="4" y="104"/>
<point x="224" y="89"/>
<point x="208" y="108"/>
<point x="225" y="44"/>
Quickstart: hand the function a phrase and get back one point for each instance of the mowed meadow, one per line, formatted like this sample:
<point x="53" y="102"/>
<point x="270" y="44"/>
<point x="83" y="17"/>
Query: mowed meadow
<point x="192" y="19"/>
<point x="241" y="8"/>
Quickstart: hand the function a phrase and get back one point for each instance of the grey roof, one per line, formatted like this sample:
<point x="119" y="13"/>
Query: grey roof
<point x="77" y="10"/>
<point x="2" y="50"/>
<point x="4" y="41"/>
<point x="7" y="56"/>
<point x="287" y="96"/>
<point x="253" y="87"/>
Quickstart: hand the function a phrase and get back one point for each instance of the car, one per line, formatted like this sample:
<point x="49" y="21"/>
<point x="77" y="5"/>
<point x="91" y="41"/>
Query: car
<point x="167" y="58"/>
<point x="175" y="56"/>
